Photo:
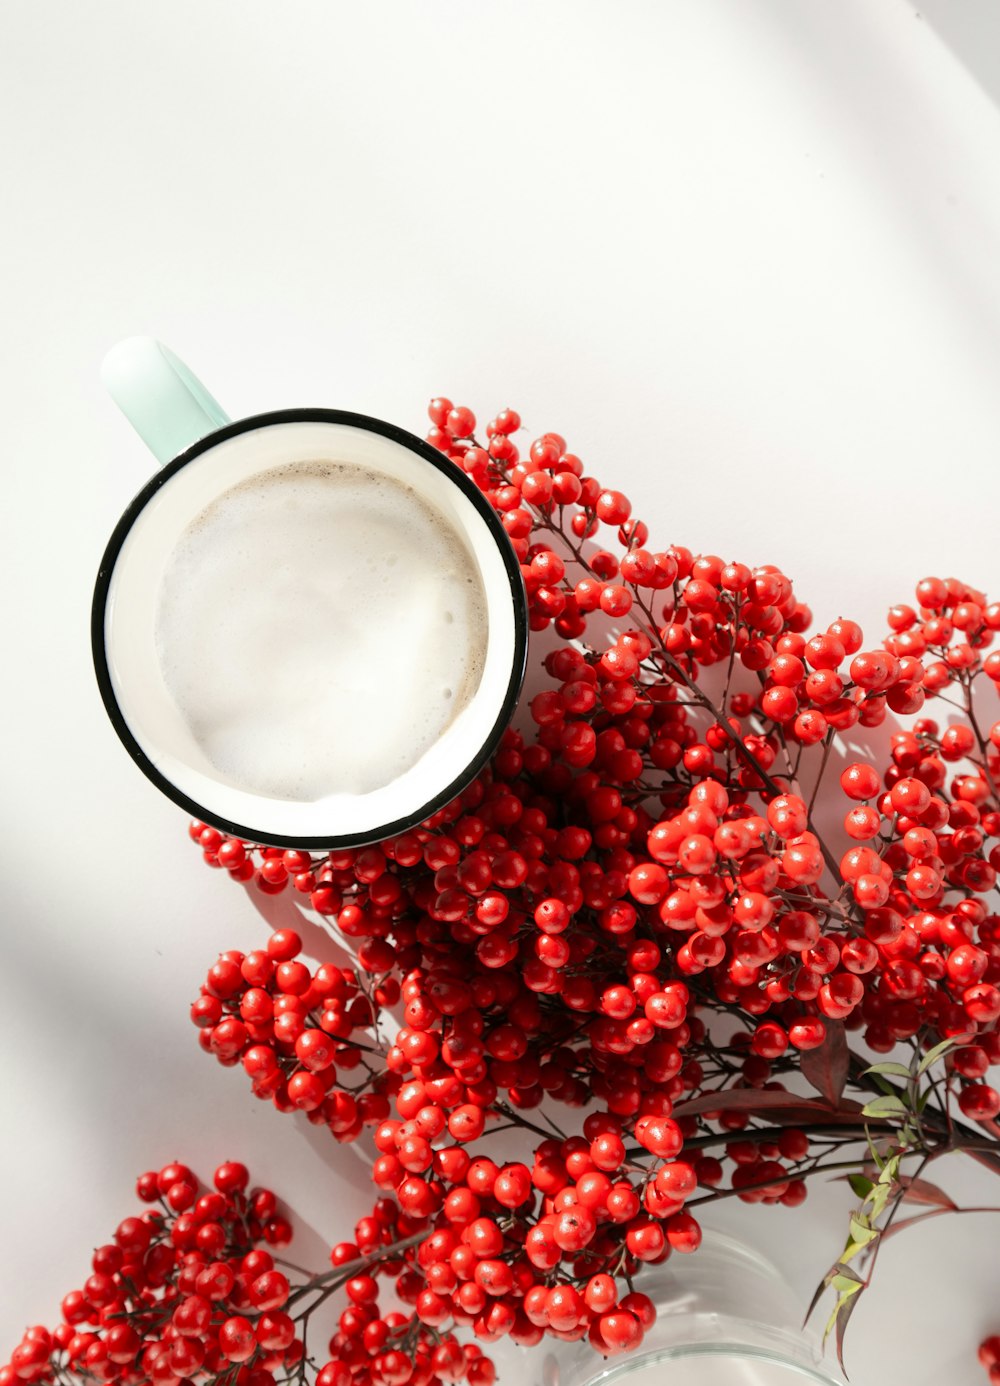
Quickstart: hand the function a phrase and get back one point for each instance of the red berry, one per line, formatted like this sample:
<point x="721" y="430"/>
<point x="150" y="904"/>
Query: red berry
<point x="236" y="1339"/>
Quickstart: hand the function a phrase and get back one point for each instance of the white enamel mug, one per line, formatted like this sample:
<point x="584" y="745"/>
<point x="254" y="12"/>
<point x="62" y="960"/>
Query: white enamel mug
<point x="202" y="455"/>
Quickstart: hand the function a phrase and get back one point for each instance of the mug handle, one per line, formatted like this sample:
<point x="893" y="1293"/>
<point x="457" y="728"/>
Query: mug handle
<point x="163" y="401"/>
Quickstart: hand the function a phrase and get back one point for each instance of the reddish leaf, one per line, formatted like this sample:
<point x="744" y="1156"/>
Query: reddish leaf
<point x="823" y="1285"/>
<point x="838" y="1268"/>
<point x="934" y="1213"/>
<point x="986" y="1158"/>
<point x="743" y="1100"/>
<point x="923" y="1191"/>
<point x="826" y="1066"/>
<point x="901" y="1224"/>
<point x="783" y="1107"/>
<point x="843" y="1318"/>
<point x="816" y="1117"/>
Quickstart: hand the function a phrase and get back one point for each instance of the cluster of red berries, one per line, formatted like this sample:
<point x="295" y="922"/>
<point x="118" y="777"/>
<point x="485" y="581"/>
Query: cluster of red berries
<point x="294" y="1031"/>
<point x="594" y="917"/>
<point x="894" y="933"/>
<point x="183" y="1291"/>
<point x="372" y="1347"/>
<point x="187" y="1293"/>
<point x="686" y="812"/>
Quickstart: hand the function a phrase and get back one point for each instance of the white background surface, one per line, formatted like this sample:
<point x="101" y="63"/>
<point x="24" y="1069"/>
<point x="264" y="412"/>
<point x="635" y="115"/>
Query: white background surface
<point x="743" y="254"/>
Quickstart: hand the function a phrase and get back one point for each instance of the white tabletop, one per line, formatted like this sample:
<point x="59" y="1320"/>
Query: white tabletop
<point x="744" y="254"/>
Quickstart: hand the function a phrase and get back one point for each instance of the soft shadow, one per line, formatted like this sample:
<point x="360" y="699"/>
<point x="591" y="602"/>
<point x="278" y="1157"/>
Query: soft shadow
<point x="971" y="31"/>
<point x="873" y="87"/>
<point x="288" y="911"/>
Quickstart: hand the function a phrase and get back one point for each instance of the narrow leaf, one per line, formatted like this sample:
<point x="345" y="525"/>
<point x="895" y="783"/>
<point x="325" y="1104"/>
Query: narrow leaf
<point x="890" y="1170"/>
<point x="838" y="1271"/>
<point x="890" y="1070"/>
<point x="847" y="1296"/>
<point x="877" y="1158"/>
<point x="986" y="1158"/>
<point x="934" y="1054"/>
<point x="843" y="1318"/>
<point x="878" y="1199"/>
<point x="823" y="1285"/>
<point x="884" y="1106"/>
<point x="923" y="1191"/>
<point x="826" y="1066"/>
<point x="861" y="1185"/>
<point x="884" y="1085"/>
<point x="861" y="1232"/>
<point x="748" y="1100"/>
<point x="902" y="1223"/>
<point x="781" y="1108"/>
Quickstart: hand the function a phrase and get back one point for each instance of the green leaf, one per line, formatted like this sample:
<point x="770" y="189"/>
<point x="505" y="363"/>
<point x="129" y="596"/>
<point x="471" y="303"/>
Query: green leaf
<point x="884" y="1085"/>
<point x="890" y="1170"/>
<point x="891" y="1070"/>
<point x="861" y="1184"/>
<point x="862" y="1232"/>
<point x="877" y="1159"/>
<point x="884" y="1106"/>
<point x="848" y="1287"/>
<point x="830" y="1323"/>
<point x="934" y="1054"/>
<point x="878" y="1199"/>
<point x="851" y="1249"/>
<point x="843" y="1318"/>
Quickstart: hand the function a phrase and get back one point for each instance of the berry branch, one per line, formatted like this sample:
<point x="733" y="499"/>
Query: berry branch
<point x="584" y="922"/>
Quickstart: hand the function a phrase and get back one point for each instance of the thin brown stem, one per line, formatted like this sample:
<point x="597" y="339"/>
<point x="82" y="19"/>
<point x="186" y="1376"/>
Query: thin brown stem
<point x="790" y="1177"/>
<point x="745" y="754"/>
<point x="977" y="733"/>
<point x="822" y="769"/>
<point x="341" y="1274"/>
<point x="516" y="1119"/>
<point x="764" y="1135"/>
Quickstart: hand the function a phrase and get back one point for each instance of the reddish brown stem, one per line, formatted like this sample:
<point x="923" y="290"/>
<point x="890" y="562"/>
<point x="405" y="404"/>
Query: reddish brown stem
<point x="339" y="1276"/>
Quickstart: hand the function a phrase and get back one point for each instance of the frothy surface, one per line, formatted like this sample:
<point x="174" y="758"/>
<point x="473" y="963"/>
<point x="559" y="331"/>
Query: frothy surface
<point x="319" y="626"/>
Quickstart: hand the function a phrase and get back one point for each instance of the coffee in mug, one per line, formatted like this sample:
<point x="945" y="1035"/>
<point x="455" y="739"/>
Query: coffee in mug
<point x="319" y="627"/>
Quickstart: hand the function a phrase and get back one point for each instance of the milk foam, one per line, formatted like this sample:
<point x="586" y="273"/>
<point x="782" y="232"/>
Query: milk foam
<point x="319" y="626"/>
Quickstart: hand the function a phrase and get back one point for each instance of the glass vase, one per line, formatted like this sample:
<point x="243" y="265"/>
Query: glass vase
<point x="725" y="1317"/>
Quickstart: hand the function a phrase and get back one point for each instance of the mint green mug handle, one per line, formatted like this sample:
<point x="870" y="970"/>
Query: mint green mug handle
<point x="167" y="406"/>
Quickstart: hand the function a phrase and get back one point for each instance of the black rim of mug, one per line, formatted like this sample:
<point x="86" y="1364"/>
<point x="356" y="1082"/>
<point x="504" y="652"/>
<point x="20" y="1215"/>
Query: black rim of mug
<point x="427" y="454"/>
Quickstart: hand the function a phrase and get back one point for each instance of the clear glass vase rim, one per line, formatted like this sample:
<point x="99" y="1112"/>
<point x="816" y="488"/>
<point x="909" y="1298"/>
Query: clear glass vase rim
<point x="743" y="1352"/>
